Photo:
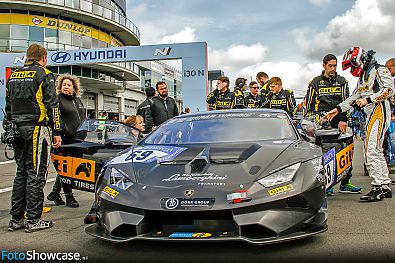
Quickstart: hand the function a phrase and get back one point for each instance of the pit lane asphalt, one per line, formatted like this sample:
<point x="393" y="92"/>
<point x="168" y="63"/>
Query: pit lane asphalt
<point x="357" y="231"/>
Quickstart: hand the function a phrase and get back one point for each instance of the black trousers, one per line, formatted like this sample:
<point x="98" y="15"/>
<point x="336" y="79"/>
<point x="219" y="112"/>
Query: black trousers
<point x="32" y="156"/>
<point x="67" y="189"/>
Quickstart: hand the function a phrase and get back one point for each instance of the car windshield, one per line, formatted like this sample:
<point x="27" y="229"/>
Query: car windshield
<point x="223" y="128"/>
<point x="105" y="131"/>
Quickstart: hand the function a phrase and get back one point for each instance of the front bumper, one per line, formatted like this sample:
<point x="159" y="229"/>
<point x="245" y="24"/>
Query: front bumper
<point x="282" y="220"/>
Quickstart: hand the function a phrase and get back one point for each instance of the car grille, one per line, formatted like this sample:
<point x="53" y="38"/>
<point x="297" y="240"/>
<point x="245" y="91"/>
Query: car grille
<point x="198" y="165"/>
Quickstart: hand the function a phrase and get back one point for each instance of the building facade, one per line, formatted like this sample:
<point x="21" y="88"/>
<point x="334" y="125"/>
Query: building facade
<point x="80" y="24"/>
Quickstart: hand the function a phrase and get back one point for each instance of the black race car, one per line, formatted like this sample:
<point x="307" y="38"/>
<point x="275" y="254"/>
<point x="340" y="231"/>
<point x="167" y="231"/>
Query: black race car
<point x="219" y="175"/>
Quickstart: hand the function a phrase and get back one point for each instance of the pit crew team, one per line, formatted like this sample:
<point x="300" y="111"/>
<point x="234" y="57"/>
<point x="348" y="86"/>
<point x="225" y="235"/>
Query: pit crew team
<point x="328" y="98"/>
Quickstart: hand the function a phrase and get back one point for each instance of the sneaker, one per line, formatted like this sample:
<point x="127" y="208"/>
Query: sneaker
<point x="71" y="202"/>
<point x="16" y="224"/>
<point x="329" y="192"/>
<point x="350" y="189"/>
<point x="386" y="190"/>
<point x="55" y="198"/>
<point x="37" y="225"/>
<point x="376" y="194"/>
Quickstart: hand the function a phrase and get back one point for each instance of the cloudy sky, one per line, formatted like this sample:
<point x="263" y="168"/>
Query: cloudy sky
<point x="285" y="38"/>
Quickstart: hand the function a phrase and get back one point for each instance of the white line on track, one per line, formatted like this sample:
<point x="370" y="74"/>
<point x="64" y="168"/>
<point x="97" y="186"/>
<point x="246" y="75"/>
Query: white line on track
<point x="8" y="189"/>
<point x="5" y="162"/>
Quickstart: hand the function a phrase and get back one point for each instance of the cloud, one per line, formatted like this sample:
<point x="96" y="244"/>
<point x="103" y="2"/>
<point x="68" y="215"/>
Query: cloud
<point x="320" y="3"/>
<point x="184" y="36"/>
<point x="236" y="57"/>
<point x="368" y="24"/>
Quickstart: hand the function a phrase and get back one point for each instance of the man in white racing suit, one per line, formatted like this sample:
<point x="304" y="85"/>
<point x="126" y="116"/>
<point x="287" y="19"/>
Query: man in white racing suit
<point x="374" y="87"/>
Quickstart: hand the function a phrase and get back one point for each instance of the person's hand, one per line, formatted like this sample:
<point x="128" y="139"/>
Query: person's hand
<point x="342" y="126"/>
<point x="330" y="115"/>
<point x="361" y="102"/>
<point x="57" y="141"/>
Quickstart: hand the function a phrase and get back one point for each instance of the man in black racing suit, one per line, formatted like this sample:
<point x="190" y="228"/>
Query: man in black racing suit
<point x="221" y="98"/>
<point x="324" y="93"/>
<point x="279" y="98"/>
<point x="254" y="99"/>
<point x="32" y="104"/>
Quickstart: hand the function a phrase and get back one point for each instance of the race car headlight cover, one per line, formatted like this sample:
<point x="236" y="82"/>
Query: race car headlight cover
<point x="280" y="177"/>
<point x="119" y="179"/>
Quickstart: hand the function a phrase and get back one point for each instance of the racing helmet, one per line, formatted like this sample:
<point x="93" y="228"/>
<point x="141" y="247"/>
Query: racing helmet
<point x="355" y="57"/>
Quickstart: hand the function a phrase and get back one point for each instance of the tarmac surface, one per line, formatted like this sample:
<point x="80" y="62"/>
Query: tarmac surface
<point x="363" y="232"/>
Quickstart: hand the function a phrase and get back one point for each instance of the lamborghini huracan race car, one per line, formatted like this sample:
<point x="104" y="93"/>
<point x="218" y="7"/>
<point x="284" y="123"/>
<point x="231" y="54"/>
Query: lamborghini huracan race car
<point x="220" y="175"/>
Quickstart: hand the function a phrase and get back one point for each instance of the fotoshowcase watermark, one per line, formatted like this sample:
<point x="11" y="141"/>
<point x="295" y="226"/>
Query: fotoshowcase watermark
<point x="33" y="255"/>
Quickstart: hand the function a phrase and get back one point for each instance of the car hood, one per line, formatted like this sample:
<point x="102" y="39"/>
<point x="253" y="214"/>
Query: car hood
<point x="214" y="165"/>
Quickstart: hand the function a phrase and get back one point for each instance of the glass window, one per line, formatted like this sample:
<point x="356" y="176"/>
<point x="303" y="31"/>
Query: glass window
<point x="95" y="43"/>
<point x="64" y="37"/>
<point x="77" y="40"/>
<point x="77" y="70"/>
<point x="95" y="74"/>
<point x="86" y="72"/>
<point x="36" y="33"/>
<point x="102" y="44"/>
<point x="65" y="70"/>
<point x="19" y="32"/>
<point x="86" y="42"/>
<point x="86" y="5"/>
<point x="4" y="32"/>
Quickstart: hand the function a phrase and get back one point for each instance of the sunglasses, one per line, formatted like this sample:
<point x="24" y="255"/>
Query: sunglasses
<point x="254" y="87"/>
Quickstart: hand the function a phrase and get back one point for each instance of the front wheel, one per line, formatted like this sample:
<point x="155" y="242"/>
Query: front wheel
<point x="9" y="152"/>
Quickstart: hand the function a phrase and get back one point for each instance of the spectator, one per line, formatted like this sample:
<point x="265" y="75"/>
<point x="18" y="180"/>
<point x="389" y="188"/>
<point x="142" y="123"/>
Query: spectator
<point x="221" y="98"/>
<point x="254" y="99"/>
<point x="35" y="114"/>
<point x="73" y="115"/>
<point x="279" y="98"/>
<point x="374" y="87"/>
<point x="142" y="108"/>
<point x="136" y="121"/>
<point x="239" y="100"/>
<point x="263" y="79"/>
<point x="163" y="107"/>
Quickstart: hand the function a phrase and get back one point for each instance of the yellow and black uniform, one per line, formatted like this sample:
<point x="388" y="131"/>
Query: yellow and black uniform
<point x="254" y="101"/>
<point x="239" y="100"/>
<point x="324" y="94"/>
<point x="265" y="89"/>
<point x="221" y="100"/>
<point x="284" y="100"/>
<point x="32" y="104"/>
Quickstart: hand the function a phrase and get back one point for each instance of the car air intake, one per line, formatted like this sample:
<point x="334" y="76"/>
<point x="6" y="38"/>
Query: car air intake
<point x="256" y="231"/>
<point x="198" y="165"/>
<point x="124" y="230"/>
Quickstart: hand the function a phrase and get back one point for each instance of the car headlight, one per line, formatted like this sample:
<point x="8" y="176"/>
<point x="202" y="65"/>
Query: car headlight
<point x="280" y="177"/>
<point x="119" y="179"/>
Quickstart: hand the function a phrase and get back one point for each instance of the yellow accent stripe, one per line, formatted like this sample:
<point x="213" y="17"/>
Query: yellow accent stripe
<point x="35" y="142"/>
<point x="39" y="98"/>
<point x="376" y="115"/>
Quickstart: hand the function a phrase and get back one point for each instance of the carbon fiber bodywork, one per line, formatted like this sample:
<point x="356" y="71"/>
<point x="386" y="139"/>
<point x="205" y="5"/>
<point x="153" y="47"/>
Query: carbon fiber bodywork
<point x="213" y="191"/>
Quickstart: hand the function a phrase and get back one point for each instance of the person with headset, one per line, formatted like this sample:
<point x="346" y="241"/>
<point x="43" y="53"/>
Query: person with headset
<point x="221" y="98"/>
<point x="239" y="99"/>
<point x="374" y="87"/>
<point x="279" y="98"/>
<point x="254" y="99"/>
